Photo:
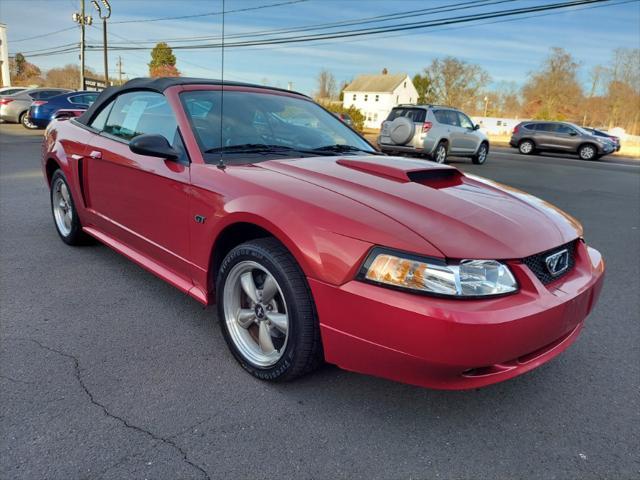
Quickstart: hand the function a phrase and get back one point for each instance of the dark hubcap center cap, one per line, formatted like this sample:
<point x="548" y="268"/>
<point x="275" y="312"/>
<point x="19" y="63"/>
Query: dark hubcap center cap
<point x="259" y="311"/>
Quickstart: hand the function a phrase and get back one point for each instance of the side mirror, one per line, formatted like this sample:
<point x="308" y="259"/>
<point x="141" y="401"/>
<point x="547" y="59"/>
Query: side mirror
<point x="573" y="134"/>
<point x="476" y="127"/>
<point x="153" y="146"/>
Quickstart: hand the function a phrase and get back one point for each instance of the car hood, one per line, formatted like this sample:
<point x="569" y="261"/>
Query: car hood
<point x="464" y="216"/>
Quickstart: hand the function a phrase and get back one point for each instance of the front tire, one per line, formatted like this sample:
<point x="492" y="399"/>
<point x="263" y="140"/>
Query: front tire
<point x="526" y="147"/>
<point x="481" y="155"/>
<point x="266" y="311"/>
<point x="588" y="152"/>
<point x="65" y="215"/>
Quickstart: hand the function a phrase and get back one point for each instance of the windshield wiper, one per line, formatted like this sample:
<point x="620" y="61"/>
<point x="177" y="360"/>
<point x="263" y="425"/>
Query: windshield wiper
<point x="340" y="148"/>
<point x="262" y="148"/>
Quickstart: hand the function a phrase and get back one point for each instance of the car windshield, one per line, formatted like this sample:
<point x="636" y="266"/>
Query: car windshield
<point x="261" y="126"/>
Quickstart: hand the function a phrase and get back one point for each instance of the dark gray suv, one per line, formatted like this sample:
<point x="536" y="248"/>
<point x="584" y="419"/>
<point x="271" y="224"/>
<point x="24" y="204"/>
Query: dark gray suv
<point x="532" y="137"/>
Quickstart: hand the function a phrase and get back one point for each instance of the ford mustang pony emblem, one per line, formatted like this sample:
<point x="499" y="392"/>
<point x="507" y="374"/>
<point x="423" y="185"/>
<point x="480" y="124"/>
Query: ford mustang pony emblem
<point x="558" y="262"/>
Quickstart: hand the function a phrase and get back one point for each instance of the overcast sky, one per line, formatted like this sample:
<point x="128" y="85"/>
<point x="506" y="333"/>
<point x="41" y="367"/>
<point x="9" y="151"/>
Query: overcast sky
<point x="507" y="50"/>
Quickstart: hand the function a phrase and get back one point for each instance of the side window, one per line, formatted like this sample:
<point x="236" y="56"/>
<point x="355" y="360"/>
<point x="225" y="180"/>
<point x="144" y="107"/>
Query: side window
<point x="35" y="95"/>
<point x="531" y="126"/>
<point x="565" y="129"/>
<point x="465" y="122"/>
<point x="76" y="99"/>
<point x="416" y="115"/>
<point x="99" y="121"/>
<point x="449" y="117"/>
<point x="441" y="116"/>
<point x="138" y="113"/>
<point x="49" y="94"/>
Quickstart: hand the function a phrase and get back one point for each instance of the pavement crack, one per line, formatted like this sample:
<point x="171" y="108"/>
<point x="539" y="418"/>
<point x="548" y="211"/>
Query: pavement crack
<point x="15" y="380"/>
<point x="122" y="420"/>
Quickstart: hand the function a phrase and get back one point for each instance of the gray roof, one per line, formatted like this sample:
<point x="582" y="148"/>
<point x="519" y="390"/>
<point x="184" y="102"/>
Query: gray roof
<point x="376" y="83"/>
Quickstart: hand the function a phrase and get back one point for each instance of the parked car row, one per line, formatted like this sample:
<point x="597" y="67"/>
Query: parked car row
<point x="437" y="131"/>
<point x="35" y="107"/>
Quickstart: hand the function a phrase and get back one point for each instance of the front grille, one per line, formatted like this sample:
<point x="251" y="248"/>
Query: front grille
<point x="537" y="263"/>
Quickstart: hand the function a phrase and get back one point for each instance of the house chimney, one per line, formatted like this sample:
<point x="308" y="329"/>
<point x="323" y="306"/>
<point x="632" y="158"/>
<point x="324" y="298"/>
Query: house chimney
<point x="385" y="71"/>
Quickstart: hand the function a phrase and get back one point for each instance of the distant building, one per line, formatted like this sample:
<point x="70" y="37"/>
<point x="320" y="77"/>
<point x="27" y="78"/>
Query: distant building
<point x="376" y="95"/>
<point x="496" y="125"/>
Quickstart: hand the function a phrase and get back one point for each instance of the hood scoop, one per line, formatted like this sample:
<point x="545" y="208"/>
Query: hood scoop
<point x="403" y="170"/>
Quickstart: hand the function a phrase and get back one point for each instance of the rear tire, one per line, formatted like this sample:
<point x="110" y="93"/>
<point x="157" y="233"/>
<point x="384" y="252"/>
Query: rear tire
<point x="440" y="153"/>
<point x="481" y="155"/>
<point x="274" y="336"/>
<point x="526" y="147"/>
<point x="24" y="120"/>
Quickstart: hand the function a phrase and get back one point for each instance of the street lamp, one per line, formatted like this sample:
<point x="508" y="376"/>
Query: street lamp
<point x="486" y="105"/>
<point x="107" y="14"/>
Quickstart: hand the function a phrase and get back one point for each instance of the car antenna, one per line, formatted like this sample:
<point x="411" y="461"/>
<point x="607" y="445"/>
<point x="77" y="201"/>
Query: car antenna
<point x="221" y="164"/>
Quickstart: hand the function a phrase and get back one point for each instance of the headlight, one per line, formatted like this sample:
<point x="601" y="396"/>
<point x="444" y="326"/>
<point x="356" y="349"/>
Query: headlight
<point x="469" y="278"/>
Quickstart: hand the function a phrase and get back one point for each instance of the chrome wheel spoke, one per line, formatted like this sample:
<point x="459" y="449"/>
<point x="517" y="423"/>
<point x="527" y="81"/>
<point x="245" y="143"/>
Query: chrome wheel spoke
<point x="264" y="339"/>
<point x="249" y="286"/>
<point x="269" y="289"/>
<point x="65" y="193"/>
<point x="279" y="321"/>
<point x="256" y="319"/>
<point x="246" y="317"/>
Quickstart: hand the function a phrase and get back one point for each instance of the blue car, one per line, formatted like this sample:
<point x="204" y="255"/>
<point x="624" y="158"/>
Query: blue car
<point x="41" y="112"/>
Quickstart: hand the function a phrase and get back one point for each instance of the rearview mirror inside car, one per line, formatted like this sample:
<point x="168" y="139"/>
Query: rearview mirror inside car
<point x="152" y="146"/>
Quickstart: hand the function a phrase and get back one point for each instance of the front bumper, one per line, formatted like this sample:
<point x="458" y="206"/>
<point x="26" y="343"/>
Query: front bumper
<point x="456" y="344"/>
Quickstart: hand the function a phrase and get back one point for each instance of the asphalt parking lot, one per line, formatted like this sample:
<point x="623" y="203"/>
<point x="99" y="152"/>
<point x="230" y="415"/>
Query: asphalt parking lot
<point x="108" y="373"/>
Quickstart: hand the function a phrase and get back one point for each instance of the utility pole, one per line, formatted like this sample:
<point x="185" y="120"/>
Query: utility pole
<point x="83" y="20"/>
<point x="104" y="17"/>
<point x="120" y="72"/>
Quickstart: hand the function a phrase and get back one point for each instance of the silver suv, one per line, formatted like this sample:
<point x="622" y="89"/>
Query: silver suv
<point x="533" y="137"/>
<point x="433" y="130"/>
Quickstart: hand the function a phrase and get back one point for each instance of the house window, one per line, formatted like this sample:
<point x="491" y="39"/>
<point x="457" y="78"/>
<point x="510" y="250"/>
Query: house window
<point x="405" y="84"/>
<point x="366" y="97"/>
<point x="410" y="100"/>
<point x="397" y="98"/>
<point x="375" y="117"/>
<point x="354" y="97"/>
<point x="377" y="97"/>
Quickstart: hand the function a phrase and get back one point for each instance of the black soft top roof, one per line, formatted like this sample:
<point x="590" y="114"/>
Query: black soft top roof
<point x="160" y="85"/>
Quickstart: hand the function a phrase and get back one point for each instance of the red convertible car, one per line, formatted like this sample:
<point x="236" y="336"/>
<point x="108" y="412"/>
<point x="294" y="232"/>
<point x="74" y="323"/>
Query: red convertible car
<point x="314" y="246"/>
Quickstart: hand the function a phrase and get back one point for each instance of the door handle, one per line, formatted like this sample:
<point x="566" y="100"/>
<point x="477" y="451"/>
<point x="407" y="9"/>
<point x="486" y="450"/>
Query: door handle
<point x="96" y="154"/>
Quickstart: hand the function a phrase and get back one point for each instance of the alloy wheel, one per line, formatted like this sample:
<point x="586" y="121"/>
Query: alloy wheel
<point x="526" y="147"/>
<point x="441" y="153"/>
<point x="482" y="154"/>
<point x="62" y="207"/>
<point x="256" y="313"/>
<point x="587" y="152"/>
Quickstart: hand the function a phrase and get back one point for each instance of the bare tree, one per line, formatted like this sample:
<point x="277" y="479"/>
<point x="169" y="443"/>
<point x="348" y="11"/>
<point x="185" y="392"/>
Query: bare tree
<point x="455" y="82"/>
<point x="326" y="86"/>
<point x="554" y="92"/>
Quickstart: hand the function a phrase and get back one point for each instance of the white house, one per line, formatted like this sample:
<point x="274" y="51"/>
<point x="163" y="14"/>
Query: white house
<point x="376" y="95"/>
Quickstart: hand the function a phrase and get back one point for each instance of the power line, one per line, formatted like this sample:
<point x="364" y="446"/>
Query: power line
<point x="208" y="14"/>
<point x="586" y="4"/>
<point x="44" y="35"/>
<point x="382" y="29"/>
<point x="358" y="21"/>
